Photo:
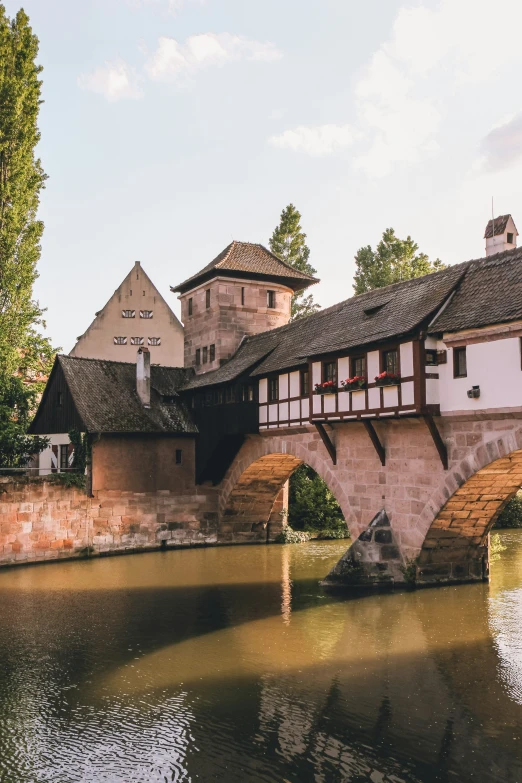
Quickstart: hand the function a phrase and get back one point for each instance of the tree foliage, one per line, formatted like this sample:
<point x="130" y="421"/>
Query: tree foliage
<point x="311" y="504"/>
<point x="393" y="260"/>
<point x="289" y="243"/>
<point x="511" y="514"/>
<point x="25" y="355"/>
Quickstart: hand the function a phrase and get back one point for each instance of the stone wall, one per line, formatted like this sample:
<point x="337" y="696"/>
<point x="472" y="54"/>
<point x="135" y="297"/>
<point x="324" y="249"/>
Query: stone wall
<point x="42" y="520"/>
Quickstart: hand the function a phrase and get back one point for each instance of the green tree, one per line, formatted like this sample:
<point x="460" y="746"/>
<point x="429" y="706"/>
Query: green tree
<point x="311" y="505"/>
<point x="393" y="260"/>
<point x="25" y="355"/>
<point x="289" y="243"/>
<point x="511" y="514"/>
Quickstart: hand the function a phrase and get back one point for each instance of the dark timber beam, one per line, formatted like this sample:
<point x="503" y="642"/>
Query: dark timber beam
<point x="330" y="448"/>
<point x="379" y="448"/>
<point x="439" y="443"/>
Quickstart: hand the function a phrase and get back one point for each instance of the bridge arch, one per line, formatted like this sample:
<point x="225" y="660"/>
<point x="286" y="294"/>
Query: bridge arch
<point x="456" y="543"/>
<point x="252" y="491"/>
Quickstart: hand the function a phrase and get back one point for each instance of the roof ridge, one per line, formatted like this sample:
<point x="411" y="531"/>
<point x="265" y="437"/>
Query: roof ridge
<point x="113" y="361"/>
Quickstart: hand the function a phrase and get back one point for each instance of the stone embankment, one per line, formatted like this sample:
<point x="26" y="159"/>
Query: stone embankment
<point x="40" y="520"/>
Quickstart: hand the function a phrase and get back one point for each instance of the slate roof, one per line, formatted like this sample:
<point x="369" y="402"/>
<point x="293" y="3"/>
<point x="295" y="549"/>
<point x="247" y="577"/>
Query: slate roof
<point x="490" y="293"/>
<point x="500" y="226"/>
<point x="245" y="258"/>
<point x="105" y="396"/>
<point x="368" y="318"/>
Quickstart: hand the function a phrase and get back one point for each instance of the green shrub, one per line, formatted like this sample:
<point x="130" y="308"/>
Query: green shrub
<point x="511" y="515"/>
<point x="312" y="507"/>
<point x="326" y="535"/>
<point x="495" y="548"/>
<point x="289" y="536"/>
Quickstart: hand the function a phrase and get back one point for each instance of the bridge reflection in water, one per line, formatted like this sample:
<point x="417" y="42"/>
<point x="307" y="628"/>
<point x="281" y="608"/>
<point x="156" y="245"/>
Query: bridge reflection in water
<point x="232" y="664"/>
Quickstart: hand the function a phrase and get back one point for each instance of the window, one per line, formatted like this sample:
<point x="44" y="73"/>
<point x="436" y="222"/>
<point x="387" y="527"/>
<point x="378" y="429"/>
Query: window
<point x="247" y="393"/>
<point x="59" y="399"/>
<point x="128" y="313"/>
<point x="305" y="383"/>
<point x="390" y="362"/>
<point x="179" y="457"/>
<point x="198" y="357"/>
<point x="205" y="355"/>
<point x="220" y="396"/>
<point x="330" y="372"/>
<point x="154" y="340"/>
<point x="120" y="341"/>
<point x="460" y="369"/>
<point x="510" y="239"/>
<point x="137" y="340"/>
<point x="242" y="296"/>
<point x="130" y="292"/>
<point x="273" y="389"/>
<point x="146" y="313"/>
<point x="270" y="299"/>
<point x="431" y="357"/>
<point x="229" y="394"/>
<point x="212" y="352"/>
<point x="190" y="306"/>
<point x="207" y="298"/>
<point x="358" y="367"/>
<point x="64" y="456"/>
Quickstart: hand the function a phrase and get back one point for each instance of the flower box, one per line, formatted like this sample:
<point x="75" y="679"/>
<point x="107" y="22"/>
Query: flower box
<point x="328" y="387"/>
<point x="387" y="379"/>
<point x="357" y="383"/>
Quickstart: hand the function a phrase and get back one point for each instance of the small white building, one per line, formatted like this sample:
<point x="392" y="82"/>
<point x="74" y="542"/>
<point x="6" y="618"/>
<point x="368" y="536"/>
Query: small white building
<point x="500" y="235"/>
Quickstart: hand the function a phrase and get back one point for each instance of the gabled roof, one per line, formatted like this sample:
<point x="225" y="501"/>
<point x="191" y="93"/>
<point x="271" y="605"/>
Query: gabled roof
<point x="373" y="317"/>
<point x="105" y="397"/>
<point x="490" y="293"/>
<point x="244" y="259"/>
<point x="500" y="226"/>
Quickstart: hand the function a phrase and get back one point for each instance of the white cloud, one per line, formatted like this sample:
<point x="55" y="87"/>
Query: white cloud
<point x="317" y="141"/>
<point x="114" y="81"/>
<point x="171" y="58"/>
<point x="503" y="144"/>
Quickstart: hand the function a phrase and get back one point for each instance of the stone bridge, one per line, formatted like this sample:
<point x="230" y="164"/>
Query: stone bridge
<point x="438" y="520"/>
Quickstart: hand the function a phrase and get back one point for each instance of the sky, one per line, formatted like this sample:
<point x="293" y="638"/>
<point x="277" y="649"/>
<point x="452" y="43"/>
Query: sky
<point x="171" y="127"/>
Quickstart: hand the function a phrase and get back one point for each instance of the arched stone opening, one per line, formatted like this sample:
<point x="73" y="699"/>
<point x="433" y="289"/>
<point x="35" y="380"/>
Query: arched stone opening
<point x="456" y="544"/>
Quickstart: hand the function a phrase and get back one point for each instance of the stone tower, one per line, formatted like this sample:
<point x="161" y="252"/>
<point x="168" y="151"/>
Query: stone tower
<point x="245" y="290"/>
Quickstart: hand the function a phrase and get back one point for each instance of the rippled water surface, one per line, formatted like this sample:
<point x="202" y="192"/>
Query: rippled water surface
<point x="232" y="664"/>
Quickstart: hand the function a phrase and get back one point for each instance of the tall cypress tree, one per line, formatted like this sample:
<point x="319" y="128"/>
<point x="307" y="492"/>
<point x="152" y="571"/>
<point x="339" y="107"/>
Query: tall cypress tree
<point x="24" y="353"/>
<point x="289" y="243"/>
<point x="21" y="180"/>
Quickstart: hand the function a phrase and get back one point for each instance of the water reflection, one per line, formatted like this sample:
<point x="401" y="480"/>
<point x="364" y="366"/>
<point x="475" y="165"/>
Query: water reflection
<point x="233" y="664"/>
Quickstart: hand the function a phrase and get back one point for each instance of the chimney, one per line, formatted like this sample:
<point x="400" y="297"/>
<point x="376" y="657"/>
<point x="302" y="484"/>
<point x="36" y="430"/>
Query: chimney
<point x="143" y="376"/>
<point x="500" y="235"/>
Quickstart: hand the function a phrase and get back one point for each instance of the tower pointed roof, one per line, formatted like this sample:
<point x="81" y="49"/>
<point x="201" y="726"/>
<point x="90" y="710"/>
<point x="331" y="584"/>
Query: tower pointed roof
<point x="252" y="261"/>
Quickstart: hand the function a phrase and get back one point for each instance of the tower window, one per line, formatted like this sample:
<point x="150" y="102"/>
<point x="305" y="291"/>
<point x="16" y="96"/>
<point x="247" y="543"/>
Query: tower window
<point x="146" y="314"/>
<point x="205" y="355"/>
<point x="179" y="457"/>
<point x="59" y="399"/>
<point x="154" y="340"/>
<point x="270" y="299"/>
<point x="510" y="238"/>
<point x="212" y="352"/>
<point x="198" y="357"/>
<point x="207" y="298"/>
<point x="137" y="340"/>
<point x="460" y="365"/>
<point x="128" y="313"/>
<point x="242" y="296"/>
<point x="120" y="341"/>
<point x="190" y="306"/>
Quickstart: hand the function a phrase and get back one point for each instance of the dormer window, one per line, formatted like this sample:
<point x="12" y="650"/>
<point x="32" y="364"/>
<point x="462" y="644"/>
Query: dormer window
<point x="137" y="340"/>
<point x="154" y="340"/>
<point x="146" y="314"/>
<point x="120" y="341"/>
<point x="128" y="313"/>
<point x="510" y="238"/>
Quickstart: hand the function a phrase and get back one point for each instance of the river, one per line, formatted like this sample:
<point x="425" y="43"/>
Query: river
<point x="232" y="664"/>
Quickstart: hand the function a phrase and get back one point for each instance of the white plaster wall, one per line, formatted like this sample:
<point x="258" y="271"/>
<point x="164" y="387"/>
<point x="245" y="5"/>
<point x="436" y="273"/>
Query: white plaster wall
<point x="305" y="409"/>
<point x="272" y="412"/>
<point x="294" y="384"/>
<point x="316" y="372"/>
<point x="44" y="458"/>
<point x="329" y="403"/>
<point x="358" y="400"/>
<point x="262" y="414"/>
<point x="374" y="398"/>
<point x="343" y="367"/>
<point x="283" y="411"/>
<point x="432" y="391"/>
<point x="344" y="401"/>
<point x="295" y="410"/>
<point x="373" y="365"/>
<point x="316" y="403"/>
<point x="390" y="396"/>
<point x="407" y="392"/>
<point x="283" y="386"/>
<point x="494" y="366"/>
<point x="406" y="353"/>
<point x="263" y="390"/>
